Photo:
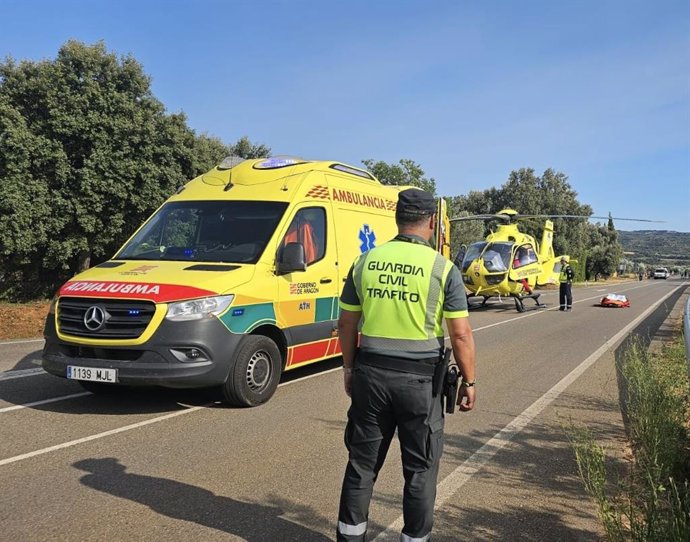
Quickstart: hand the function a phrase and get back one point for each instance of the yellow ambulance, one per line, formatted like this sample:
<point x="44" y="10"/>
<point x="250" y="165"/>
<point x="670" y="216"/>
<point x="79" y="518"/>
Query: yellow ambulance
<point x="231" y="281"/>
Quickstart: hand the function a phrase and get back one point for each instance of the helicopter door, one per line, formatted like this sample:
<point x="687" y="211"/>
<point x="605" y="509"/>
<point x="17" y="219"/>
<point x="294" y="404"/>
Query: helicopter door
<point x="524" y="255"/>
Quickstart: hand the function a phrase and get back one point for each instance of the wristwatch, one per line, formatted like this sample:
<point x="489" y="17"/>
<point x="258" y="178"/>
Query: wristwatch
<point x="468" y="384"/>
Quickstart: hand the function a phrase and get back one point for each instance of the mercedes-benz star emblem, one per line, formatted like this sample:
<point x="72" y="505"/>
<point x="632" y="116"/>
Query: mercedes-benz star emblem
<point x="95" y="318"/>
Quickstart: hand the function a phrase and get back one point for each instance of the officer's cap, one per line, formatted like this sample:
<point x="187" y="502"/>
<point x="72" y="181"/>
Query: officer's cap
<point x="565" y="259"/>
<point x="416" y="202"/>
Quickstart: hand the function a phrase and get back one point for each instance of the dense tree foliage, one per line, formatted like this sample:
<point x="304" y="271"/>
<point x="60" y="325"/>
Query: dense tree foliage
<point x="604" y="252"/>
<point x="404" y="173"/>
<point x="86" y="153"/>
<point x="530" y="194"/>
<point x="246" y="149"/>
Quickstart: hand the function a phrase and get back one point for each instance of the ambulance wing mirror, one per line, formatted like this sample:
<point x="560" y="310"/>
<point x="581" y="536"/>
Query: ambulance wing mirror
<point x="291" y="258"/>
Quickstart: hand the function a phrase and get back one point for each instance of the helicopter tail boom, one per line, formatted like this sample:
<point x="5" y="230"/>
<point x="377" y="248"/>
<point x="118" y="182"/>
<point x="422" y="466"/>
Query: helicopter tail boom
<point x="546" y="245"/>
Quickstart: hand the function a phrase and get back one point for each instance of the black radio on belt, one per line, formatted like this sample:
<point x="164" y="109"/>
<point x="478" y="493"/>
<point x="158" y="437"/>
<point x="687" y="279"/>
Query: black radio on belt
<point x="450" y="388"/>
<point x="440" y="369"/>
<point x="446" y="380"/>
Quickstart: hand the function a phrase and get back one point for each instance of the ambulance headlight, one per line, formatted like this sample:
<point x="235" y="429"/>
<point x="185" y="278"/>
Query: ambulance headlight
<point x="198" y="309"/>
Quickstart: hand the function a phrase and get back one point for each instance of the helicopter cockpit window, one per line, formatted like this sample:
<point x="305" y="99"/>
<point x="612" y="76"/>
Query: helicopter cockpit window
<point x="473" y="252"/>
<point x="524" y="255"/>
<point x="497" y="256"/>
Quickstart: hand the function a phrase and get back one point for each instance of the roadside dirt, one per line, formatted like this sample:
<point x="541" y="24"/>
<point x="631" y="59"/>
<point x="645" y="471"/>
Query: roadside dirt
<point x="22" y="320"/>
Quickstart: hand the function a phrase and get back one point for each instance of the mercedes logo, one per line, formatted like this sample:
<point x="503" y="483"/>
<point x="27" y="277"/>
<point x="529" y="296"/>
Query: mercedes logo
<point x="95" y="318"/>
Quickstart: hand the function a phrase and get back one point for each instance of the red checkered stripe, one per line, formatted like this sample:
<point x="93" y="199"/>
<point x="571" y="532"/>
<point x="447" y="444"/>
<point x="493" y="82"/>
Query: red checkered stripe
<point x="319" y="192"/>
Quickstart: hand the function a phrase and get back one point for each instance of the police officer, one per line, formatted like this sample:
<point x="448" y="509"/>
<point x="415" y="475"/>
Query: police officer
<point x="565" y="293"/>
<point x="397" y="296"/>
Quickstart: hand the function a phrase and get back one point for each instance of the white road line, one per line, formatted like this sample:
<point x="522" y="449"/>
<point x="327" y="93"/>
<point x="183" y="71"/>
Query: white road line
<point x="310" y="376"/>
<point x="22" y="373"/>
<point x="74" y="395"/>
<point x="100" y="435"/>
<point x="31" y="372"/>
<point x="112" y="431"/>
<point x="456" y="479"/>
<point x="44" y="401"/>
<point x="540" y="311"/>
<point x="500" y="437"/>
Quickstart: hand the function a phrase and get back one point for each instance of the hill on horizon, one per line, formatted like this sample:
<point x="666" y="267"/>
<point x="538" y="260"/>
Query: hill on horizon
<point x="656" y="247"/>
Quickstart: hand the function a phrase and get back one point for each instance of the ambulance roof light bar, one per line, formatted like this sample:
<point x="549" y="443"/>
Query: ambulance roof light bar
<point x="275" y="162"/>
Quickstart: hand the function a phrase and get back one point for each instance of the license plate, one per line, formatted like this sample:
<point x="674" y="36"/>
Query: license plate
<point x="92" y="374"/>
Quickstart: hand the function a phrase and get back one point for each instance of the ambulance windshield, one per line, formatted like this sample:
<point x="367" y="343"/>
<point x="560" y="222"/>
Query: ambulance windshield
<point x="206" y="231"/>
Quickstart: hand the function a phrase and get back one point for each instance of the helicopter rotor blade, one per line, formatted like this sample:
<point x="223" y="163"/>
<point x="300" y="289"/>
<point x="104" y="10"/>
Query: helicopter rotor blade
<point x="508" y="218"/>
<point x="503" y="218"/>
<point x="520" y="217"/>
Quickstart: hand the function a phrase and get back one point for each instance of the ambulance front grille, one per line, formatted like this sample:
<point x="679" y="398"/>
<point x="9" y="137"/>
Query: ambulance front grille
<point x="121" y="318"/>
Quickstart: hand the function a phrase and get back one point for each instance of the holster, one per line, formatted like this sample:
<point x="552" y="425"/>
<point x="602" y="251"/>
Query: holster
<point x="440" y="371"/>
<point x="450" y="388"/>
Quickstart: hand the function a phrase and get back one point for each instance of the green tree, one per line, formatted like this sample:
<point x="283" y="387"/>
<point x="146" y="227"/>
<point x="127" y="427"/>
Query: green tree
<point x="528" y="193"/>
<point x="605" y="252"/>
<point x="209" y="151"/>
<point x="246" y="149"/>
<point x="86" y="153"/>
<point x="463" y="232"/>
<point x="30" y="212"/>
<point x="404" y="173"/>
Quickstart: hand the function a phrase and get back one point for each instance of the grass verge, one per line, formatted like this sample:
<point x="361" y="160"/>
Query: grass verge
<point x="651" y="502"/>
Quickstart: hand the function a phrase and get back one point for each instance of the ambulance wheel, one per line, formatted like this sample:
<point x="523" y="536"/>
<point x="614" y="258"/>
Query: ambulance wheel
<point x="254" y="373"/>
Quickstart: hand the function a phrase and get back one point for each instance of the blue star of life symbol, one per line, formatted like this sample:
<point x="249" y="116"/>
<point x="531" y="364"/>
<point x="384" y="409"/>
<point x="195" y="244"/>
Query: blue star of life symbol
<point x="368" y="238"/>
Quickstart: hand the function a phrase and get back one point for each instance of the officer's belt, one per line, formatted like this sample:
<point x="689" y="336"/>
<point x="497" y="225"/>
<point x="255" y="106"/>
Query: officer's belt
<point x="424" y="367"/>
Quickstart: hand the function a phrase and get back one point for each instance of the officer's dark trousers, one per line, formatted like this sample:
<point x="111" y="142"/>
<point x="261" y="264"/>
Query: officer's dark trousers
<point x="566" y="296"/>
<point x="383" y="400"/>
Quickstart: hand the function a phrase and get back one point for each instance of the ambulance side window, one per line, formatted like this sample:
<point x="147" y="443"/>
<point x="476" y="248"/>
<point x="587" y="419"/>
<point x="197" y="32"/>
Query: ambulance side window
<point x="308" y="228"/>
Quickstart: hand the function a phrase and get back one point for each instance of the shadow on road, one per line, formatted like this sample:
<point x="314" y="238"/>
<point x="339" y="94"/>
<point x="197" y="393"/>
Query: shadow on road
<point x="125" y="400"/>
<point x="31" y="361"/>
<point x="251" y="521"/>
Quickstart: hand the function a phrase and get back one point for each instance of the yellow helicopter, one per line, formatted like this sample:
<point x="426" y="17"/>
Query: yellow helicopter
<point x="510" y="263"/>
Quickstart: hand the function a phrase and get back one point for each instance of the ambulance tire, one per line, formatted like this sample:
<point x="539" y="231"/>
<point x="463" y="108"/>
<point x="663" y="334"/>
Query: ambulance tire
<point x="254" y="373"/>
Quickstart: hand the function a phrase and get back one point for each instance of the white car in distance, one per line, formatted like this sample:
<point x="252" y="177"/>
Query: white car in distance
<point x="661" y="273"/>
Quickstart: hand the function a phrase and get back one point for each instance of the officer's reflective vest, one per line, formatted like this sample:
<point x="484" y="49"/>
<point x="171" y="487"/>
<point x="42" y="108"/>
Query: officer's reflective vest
<point x="566" y="274"/>
<point x="400" y="286"/>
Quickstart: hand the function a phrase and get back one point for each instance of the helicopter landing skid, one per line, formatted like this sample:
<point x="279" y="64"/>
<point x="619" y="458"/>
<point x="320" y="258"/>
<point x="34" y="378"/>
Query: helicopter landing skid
<point x="520" y="306"/>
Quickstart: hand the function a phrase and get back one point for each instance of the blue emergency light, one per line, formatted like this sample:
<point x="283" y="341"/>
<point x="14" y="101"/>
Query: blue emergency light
<point x="278" y="161"/>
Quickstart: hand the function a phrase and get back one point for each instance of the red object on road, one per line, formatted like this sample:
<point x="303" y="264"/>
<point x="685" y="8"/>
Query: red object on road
<point x="615" y="300"/>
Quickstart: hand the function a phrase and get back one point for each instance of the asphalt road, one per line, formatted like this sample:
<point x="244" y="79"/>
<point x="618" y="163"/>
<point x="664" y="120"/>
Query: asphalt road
<point x="177" y="465"/>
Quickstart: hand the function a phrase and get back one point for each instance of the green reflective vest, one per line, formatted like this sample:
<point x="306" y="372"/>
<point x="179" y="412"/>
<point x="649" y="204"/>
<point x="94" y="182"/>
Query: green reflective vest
<point x="400" y="285"/>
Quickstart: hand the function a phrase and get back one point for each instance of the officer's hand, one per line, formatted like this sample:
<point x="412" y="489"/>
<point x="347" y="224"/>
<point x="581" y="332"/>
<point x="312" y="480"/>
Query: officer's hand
<point x="347" y="381"/>
<point x="466" y="398"/>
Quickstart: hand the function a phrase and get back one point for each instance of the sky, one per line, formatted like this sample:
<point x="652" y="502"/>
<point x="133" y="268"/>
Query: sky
<point x="598" y="90"/>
